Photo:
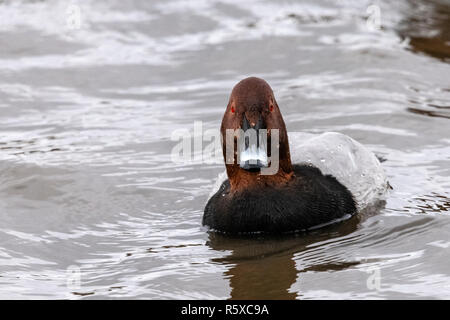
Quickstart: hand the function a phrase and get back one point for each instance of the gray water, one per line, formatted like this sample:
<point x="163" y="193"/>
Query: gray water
<point x="91" y="205"/>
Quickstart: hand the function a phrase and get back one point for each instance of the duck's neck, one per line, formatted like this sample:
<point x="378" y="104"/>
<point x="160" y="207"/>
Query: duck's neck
<point x="241" y="179"/>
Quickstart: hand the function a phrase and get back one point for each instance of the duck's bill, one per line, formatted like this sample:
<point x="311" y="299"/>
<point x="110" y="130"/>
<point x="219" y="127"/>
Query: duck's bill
<point x="253" y="151"/>
<point x="253" y="158"/>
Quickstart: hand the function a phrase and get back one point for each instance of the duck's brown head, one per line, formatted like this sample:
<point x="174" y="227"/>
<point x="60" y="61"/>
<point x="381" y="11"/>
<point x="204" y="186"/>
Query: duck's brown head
<point x="252" y="111"/>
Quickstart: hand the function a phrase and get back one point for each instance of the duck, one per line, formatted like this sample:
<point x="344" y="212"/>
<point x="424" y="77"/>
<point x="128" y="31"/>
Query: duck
<point x="262" y="190"/>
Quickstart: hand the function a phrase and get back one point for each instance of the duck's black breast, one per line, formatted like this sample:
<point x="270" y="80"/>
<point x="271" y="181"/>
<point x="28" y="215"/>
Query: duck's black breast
<point x="309" y="200"/>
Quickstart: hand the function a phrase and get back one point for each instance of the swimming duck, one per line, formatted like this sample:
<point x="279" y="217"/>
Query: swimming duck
<point x="292" y="197"/>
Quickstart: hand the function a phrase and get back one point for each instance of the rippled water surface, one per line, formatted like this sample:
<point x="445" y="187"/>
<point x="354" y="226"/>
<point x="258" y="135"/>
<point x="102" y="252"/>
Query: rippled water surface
<point x="86" y="177"/>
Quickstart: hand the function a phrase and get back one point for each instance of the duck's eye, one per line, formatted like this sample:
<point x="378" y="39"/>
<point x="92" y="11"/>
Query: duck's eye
<point x="232" y="109"/>
<point x="271" y="108"/>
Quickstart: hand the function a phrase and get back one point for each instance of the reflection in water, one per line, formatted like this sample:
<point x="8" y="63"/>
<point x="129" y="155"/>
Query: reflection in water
<point x="428" y="28"/>
<point x="429" y="113"/>
<point x="263" y="267"/>
<point x="432" y="203"/>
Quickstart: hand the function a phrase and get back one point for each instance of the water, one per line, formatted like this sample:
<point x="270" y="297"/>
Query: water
<point x="91" y="205"/>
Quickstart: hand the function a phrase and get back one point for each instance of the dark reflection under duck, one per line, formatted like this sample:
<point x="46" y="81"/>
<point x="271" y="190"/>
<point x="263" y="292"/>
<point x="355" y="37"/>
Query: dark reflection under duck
<point x="264" y="267"/>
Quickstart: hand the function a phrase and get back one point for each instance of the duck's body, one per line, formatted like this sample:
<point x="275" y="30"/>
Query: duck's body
<point x="332" y="177"/>
<point x="309" y="200"/>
